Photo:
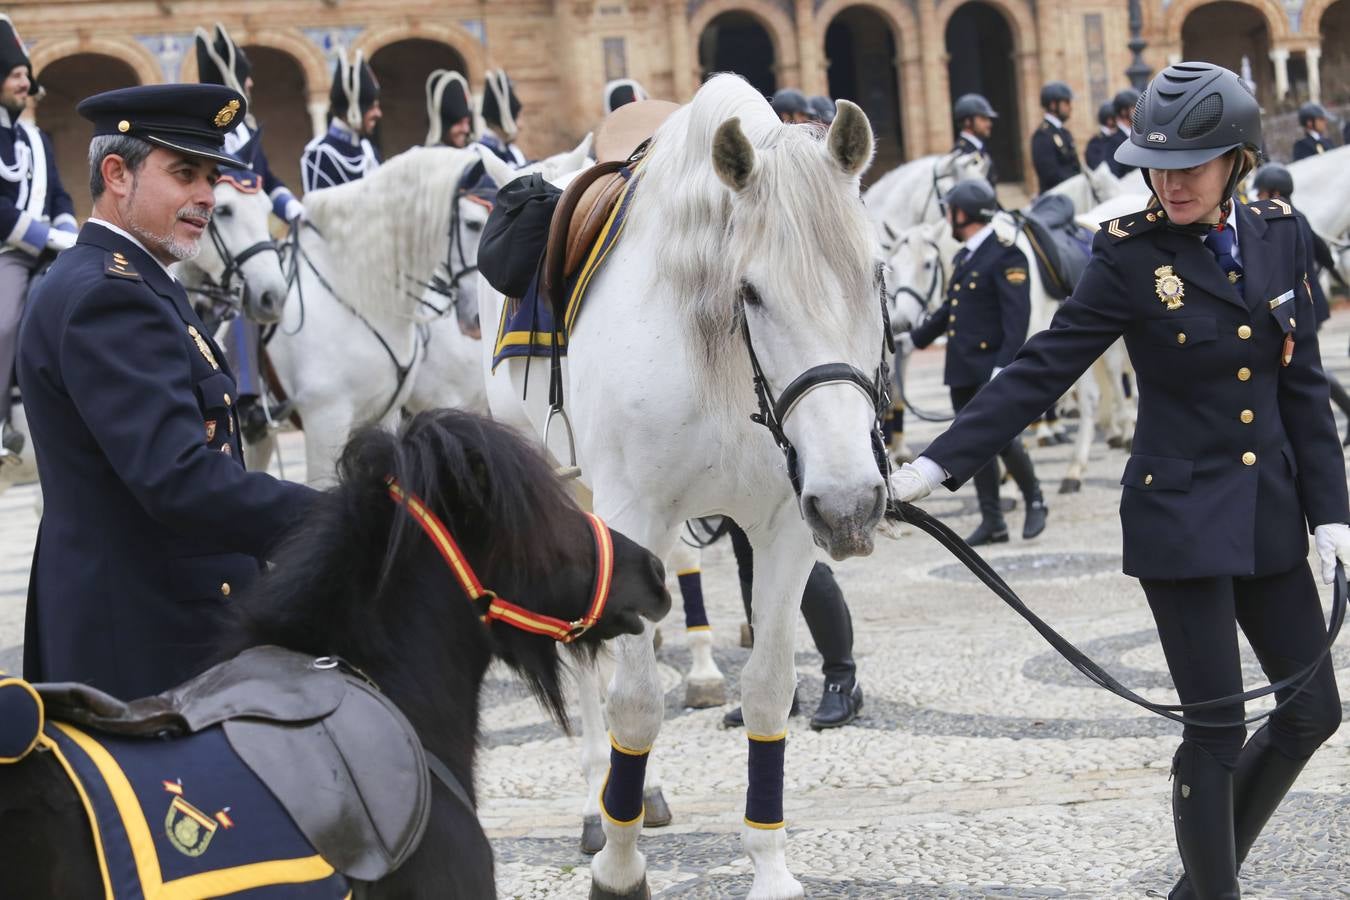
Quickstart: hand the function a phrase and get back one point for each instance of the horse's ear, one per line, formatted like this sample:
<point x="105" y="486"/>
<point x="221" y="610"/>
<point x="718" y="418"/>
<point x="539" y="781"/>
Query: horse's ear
<point x="850" y="139"/>
<point x="500" y="173"/>
<point x="733" y="155"/>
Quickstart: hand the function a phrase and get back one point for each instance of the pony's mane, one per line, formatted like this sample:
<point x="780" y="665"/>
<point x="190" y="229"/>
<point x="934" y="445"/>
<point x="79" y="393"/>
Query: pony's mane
<point x="386" y="233"/>
<point x="801" y="207"/>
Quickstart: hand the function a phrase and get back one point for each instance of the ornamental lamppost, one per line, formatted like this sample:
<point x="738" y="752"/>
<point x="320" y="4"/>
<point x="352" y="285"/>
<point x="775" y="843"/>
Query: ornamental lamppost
<point x="1138" y="72"/>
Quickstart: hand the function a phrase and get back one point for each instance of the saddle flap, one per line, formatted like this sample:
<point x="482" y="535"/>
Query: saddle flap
<point x="589" y="217"/>
<point x="355" y="783"/>
<point x="624" y="130"/>
<point x="559" y="230"/>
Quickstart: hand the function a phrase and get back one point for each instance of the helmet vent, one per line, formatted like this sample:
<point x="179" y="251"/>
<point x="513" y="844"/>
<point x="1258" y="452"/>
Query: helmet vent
<point x="1203" y="119"/>
<point x="1136" y="122"/>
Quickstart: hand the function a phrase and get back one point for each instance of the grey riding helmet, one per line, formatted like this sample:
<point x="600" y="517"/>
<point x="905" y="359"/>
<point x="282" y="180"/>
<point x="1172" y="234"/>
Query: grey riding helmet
<point x="789" y="101"/>
<point x="1106" y="114"/>
<point x="1310" y="111"/>
<point x="1055" y="92"/>
<point x="822" y="109"/>
<point x="1274" y="178"/>
<point x="970" y="105"/>
<point x="1125" y="101"/>
<point x="1191" y="113"/>
<point x="975" y="197"/>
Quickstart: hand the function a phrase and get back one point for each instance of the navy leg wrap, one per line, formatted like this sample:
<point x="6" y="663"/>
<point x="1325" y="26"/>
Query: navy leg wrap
<point x="764" y="796"/>
<point x="691" y="589"/>
<point x="621" y="798"/>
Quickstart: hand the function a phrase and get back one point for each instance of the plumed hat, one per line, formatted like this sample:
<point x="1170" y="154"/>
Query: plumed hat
<point x="355" y="89"/>
<point x="12" y="51"/>
<point x="500" y="105"/>
<point x="221" y="61"/>
<point x="621" y="91"/>
<point x="448" y="101"/>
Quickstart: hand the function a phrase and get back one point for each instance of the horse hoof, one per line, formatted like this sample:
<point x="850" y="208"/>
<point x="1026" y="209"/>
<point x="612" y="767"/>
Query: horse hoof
<point x="747" y="635"/>
<point x="1070" y="486"/>
<point x="1115" y="442"/>
<point x="655" y="809"/>
<point x="639" y="891"/>
<point x="657" y="640"/>
<point x="705" y="693"/>
<point x="592" y="835"/>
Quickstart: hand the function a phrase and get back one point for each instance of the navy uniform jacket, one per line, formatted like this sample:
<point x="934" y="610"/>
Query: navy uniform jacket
<point x="507" y="153"/>
<point x="246" y="143"/>
<point x="985" y="316"/>
<point x="150" y="523"/>
<point x="25" y="219"/>
<point x="1053" y="155"/>
<point x="1102" y="149"/>
<point x="1310" y="146"/>
<point x="336" y="157"/>
<point x="965" y="145"/>
<point x="1235" y="456"/>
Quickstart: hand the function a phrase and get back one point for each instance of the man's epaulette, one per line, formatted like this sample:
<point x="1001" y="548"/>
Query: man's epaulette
<point x="118" y="265"/>
<point x="1272" y="208"/>
<point x="1135" y="223"/>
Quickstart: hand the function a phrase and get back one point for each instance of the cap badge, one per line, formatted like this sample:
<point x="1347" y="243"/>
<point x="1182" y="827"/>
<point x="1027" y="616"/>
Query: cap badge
<point x="1157" y="137"/>
<point x="124" y="126"/>
<point x="226" y="114"/>
<point x="1169" y="287"/>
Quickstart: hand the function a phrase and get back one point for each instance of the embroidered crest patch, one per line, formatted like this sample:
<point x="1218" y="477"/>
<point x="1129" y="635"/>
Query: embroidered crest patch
<point x="202" y="346"/>
<point x="188" y="828"/>
<point x="1169" y="287"/>
<point x="1015" y="275"/>
<point x="226" y="114"/>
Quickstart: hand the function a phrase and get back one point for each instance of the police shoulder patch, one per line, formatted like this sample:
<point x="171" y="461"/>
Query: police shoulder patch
<point x="1272" y="208"/>
<point x="1135" y="223"/>
<point x="118" y="266"/>
<point x="1015" y="275"/>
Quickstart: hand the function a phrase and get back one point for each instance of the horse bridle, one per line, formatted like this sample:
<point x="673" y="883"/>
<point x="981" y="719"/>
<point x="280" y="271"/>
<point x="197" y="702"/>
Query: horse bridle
<point x="449" y="288"/>
<point x="234" y="262"/>
<point x="935" y="284"/>
<point x="773" y="412"/>
<point x="492" y="607"/>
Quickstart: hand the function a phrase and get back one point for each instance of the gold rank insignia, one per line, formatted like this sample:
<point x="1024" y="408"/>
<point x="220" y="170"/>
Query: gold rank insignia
<point x="1169" y="287"/>
<point x="202" y="346"/>
<point x="210" y="430"/>
<point x="1233" y="276"/>
<point x="226" y="114"/>
<point x="1059" y="142"/>
<point x="1015" y="276"/>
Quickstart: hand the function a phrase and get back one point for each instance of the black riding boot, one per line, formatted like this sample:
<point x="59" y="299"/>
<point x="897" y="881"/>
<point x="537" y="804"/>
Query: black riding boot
<point x="831" y="626"/>
<point x="993" y="529"/>
<point x="1202" y="812"/>
<point x="1020" y="467"/>
<point x="1262" y="777"/>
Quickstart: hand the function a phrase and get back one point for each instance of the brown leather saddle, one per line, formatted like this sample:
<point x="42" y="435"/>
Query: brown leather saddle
<point x="339" y="756"/>
<point x="586" y="203"/>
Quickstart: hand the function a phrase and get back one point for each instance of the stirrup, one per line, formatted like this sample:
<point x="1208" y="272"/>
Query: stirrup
<point x="571" y="470"/>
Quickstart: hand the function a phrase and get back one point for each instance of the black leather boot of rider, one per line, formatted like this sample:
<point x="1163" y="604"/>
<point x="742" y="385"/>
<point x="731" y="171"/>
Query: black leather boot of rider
<point x="1202" y="812"/>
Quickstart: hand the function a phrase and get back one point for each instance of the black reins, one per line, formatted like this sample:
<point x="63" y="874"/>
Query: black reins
<point x="225" y="293"/>
<point x="1093" y="671"/>
<point x="925" y="302"/>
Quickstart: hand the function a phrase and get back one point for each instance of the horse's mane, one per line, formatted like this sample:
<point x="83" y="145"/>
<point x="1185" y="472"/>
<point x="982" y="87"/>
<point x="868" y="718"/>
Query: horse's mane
<point x="386" y="233"/>
<point x="801" y="205"/>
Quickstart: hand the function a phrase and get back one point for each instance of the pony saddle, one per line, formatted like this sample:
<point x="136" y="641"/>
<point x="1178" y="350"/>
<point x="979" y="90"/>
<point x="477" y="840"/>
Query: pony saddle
<point x="1061" y="246"/>
<point x="337" y="755"/>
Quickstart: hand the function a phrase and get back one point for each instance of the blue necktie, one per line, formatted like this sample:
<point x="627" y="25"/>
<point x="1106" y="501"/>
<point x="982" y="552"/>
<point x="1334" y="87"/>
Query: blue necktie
<point x="961" y="256"/>
<point x="1221" y="242"/>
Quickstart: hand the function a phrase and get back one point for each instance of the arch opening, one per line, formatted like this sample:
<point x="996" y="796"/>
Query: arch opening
<point x="1335" y="67"/>
<point x="980" y="52"/>
<point x="860" y="53"/>
<point x="738" y="42"/>
<point x="402" y="68"/>
<point x="279" y="103"/>
<point x="1227" y="32"/>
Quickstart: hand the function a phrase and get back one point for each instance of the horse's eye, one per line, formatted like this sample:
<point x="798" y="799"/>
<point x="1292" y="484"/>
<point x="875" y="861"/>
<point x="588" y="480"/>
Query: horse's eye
<point x="224" y="212"/>
<point x="750" y="296"/>
<point x="474" y="226"/>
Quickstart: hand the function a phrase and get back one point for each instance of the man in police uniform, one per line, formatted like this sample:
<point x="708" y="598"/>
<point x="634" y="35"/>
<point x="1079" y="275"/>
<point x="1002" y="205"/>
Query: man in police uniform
<point x="1103" y="144"/>
<point x="221" y="61"/>
<point x="150" y="523"/>
<point x="1124" y="102"/>
<point x="449" y="110"/>
<point x="344" y="152"/>
<point x="36" y="215"/>
<point x="1052" y="151"/>
<point x="1312" y="117"/>
<point x="989" y="288"/>
<point x="501" y="109"/>
<point x="974" y="119"/>
<point x="791" y="106"/>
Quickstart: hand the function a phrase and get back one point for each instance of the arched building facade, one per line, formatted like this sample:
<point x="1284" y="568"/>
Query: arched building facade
<point x="903" y="61"/>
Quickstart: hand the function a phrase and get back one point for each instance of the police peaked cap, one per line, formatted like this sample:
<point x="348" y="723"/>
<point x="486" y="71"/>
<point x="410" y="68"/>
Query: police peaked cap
<point x="500" y="105"/>
<point x="448" y="101"/>
<point x="12" y="51"/>
<point x="221" y="61"/>
<point x="355" y="89"/>
<point x="190" y="118"/>
<point x="622" y="91"/>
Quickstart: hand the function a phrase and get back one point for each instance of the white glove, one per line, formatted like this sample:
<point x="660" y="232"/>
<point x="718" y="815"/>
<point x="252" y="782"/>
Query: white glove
<point x="295" y="211"/>
<point x="59" y="240"/>
<point x="1333" y="543"/>
<point x="904" y="343"/>
<point x="916" y="480"/>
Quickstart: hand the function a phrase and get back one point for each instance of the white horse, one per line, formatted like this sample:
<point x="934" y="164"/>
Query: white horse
<point x="1092" y="187"/>
<point x="910" y="194"/>
<point x="1322" y="192"/>
<point x="743" y="232"/>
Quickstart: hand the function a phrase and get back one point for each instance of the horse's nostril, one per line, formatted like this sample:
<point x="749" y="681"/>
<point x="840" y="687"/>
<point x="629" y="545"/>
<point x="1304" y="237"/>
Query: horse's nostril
<point x="658" y="570"/>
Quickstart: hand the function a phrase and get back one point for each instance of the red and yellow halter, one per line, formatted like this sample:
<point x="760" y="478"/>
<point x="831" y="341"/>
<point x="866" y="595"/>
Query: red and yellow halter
<point x="500" y="610"/>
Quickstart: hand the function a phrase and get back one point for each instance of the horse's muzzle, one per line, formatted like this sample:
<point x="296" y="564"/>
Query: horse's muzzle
<point x="263" y="307"/>
<point x="841" y="527"/>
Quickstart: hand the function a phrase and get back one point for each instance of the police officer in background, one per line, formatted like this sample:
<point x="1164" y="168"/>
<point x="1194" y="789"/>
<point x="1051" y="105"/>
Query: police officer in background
<point x="791" y="106"/>
<point x="220" y="61"/>
<point x="974" y="119"/>
<point x="1312" y="118"/>
<point x="1102" y="145"/>
<point x="150" y="523"/>
<point x="501" y="110"/>
<point x="1235" y="456"/>
<point x="1124" y="102"/>
<point x="344" y="152"/>
<point x="37" y="218"/>
<point x="621" y="92"/>
<point x="1052" y="151"/>
<point x="985" y="319"/>
<point x="823" y="109"/>
<point x="449" y="110"/>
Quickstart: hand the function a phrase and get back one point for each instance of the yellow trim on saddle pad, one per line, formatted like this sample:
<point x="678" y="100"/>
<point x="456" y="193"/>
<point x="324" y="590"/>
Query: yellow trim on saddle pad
<point x="600" y="252"/>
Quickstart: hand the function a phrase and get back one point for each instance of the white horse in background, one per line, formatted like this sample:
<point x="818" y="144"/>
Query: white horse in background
<point x="912" y="192"/>
<point x="1093" y="187"/>
<point x="773" y="251"/>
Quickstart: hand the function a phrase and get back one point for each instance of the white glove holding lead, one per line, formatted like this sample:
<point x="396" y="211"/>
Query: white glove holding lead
<point x="59" y="240"/>
<point x="904" y="343"/>
<point x="295" y="211"/>
<point x="1333" y="543"/>
<point x="914" y="481"/>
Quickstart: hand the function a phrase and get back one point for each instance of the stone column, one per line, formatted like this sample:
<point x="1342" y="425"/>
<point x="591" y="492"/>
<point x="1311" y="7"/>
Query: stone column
<point x="682" y="59"/>
<point x="318" y="113"/>
<point x="936" y="136"/>
<point x="1280" y="57"/>
<point x="1314" y="56"/>
<point x="810" y="51"/>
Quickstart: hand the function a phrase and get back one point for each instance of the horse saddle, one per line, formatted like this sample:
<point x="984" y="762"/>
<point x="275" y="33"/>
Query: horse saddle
<point x="339" y="756"/>
<point x="1060" y="244"/>
<point x="588" y="201"/>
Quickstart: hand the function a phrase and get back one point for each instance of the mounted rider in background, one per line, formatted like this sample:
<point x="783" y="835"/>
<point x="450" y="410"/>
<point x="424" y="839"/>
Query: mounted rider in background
<point x="1312" y="118"/>
<point x="449" y="110"/>
<point x="500" y="110"/>
<point x="974" y="118"/>
<point x="345" y="153"/>
<point x="1052" y="151"/>
<point x="622" y="91"/>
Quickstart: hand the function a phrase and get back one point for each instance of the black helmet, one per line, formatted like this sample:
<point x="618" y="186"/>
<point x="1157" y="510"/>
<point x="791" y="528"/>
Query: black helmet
<point x="968" y="105"/>
<point x="1124" y="102"/>
<point x="1055" y="92"/>
<point x="1106" y="114"/>
<point x="1274" y="178"/>
<point x="975" y="197"/>
<point x="1309" y="111"/>
<point x="789" y="101"/>
<point x="1192" y="112"/>
<point x="822" y="109"/>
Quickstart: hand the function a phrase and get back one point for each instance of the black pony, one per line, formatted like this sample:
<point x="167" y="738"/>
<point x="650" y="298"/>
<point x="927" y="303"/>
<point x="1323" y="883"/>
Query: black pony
<point x="360" y="580"/>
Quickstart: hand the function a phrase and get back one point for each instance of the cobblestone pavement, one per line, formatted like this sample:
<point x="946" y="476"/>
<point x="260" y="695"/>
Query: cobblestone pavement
<point x="983" y="765"/>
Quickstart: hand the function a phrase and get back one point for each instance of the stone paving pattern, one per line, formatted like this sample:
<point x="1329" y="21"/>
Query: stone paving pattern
<point x="983" y="764"/>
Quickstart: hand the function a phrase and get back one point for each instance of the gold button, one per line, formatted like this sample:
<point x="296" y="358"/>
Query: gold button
<point x="951" y="317"/>
<point x="1148" y="479"/>
<point x="1181" y="337"/>
<point x="1292" y="323"/>
<point x="956" y="303"/>
<point x="1249" y="458"/>
<point x="225" y="589"/>
<point x="1244" y="331"/>
<point x="1244" y="373"/>
<point x="951" y="333"/>
<point x="227" y="399"/>
<point x="956" y="287"/>
<point x="984" y="345"/>
<point x="1152" y="217"/>
<point x="124" y="126"/>
<point x="1246" y="416"/>
<point x="972" y="284"/>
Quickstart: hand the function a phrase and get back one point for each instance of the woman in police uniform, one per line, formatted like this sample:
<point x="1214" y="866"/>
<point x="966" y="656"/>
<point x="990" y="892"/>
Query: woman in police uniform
<point x="1235" y="455"/>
